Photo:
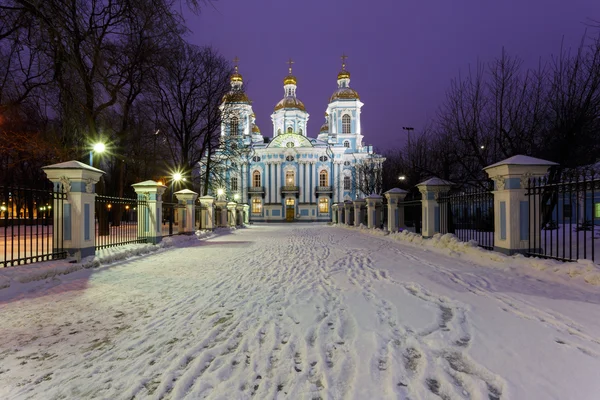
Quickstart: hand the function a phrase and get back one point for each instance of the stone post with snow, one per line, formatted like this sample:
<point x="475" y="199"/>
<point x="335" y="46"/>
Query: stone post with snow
<point x="240" y="214"/>
<point x="246" y="214"/>
<point x="186" y="210"/>
<point x="512" y="222"/>
<point x="349" y="212"/>
<point x="231" y="215"/>
<point x="374" y="210"/>
<point x="340" y="213"/>
<point x="359" y="211"/>
<point x="395" y="211"/>
<point x="207" y="213"/>
<point x="149" y="210"/>
<point x="334" y="209"/>
<point x="431" y="189"/>
<point x="78" y="182"/>
<point x="222" y="206"/>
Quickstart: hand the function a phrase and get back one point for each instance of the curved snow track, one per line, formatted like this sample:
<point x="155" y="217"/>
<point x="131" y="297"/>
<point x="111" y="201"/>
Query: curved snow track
<point x="272" y="312"/>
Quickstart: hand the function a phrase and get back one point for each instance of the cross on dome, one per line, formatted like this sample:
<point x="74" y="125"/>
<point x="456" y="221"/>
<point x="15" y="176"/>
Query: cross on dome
<point x="344" y="57"/>
<point x="236" y="60"/>
<point x="290" y="62"/>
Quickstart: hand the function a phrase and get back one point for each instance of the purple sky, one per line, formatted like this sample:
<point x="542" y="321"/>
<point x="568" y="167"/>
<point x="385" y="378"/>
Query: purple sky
<point x="401" y="54"/>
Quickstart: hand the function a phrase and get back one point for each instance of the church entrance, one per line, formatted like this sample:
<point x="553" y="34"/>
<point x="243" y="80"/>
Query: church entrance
<point x="289" y="209"/>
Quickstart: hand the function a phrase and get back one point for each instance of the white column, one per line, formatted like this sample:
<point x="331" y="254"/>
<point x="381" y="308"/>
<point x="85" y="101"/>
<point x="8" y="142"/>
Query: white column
<point x="315" y="179"/>
<point x="340" y="182"/>
<point x="244" y="183"/>
<point x="267" y="183"/>
<point x="278" y="181"/>
<point x="301" y="181"/>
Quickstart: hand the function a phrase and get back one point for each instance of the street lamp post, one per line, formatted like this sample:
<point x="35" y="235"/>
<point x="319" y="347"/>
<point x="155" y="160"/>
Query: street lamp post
<point x="408" y="129"/>
<point x="96" y="148"/>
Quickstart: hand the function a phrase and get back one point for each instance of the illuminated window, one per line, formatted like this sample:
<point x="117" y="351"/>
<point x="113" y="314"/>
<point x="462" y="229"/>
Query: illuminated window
<point x="234" y="126"/>
<point x="323" y="205"/>
<point x="346" y="144"/>
<point x="234" y="184"/>
<point x="256" y="179"/>
<point x="346" y="124"/>
<point x="597" y="209"/>
<point x="346" y="183"/>
<point x="323" y="178"/>
<point x="256" y="205"/>
<point x="289" y="178"/>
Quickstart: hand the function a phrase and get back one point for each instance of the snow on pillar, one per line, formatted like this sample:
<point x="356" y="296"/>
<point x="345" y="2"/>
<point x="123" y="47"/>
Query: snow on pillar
<point x="374" y="210"/>
<point x="186" y="210"/>
<point x="78" y="181"/>
<point x="512" y="222"/>
<point x="431" y="189"/>
<point x="149" y="210"/>
<point x="207" y="220"/>
<point x="395" y="211"/>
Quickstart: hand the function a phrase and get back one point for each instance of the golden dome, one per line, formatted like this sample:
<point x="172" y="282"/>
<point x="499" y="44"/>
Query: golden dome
<point x="289" y="80"/>
<point x="255" y="129"/>
<point x="235" y="77"/>
<point x="290" y="102"/>
<point x="344" y="74"/>
<point x="236" y="97"/>
<point x="324" y="127"/>
<point x="344" y="93"/>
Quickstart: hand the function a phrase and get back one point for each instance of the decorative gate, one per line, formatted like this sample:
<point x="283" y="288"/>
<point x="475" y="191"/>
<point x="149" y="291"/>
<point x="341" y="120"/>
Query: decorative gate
<point x="413" y="211"/>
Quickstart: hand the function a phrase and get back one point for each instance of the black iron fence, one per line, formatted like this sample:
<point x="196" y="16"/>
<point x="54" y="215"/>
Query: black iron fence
<point x="119" y="221"/>
<point x="564" y="215"/>
<point x="468" y="213"/>
<point x="413" y="212"/>
<point x="31" y="225"/>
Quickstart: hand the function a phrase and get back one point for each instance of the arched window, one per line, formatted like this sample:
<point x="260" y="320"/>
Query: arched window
<point x="234" y="184"/>
<point x="256" y="179"/>
<point x="346" y="123"/>
<point x="290" y="179"/>
<point x="256" y="205"/>
<point x="346" y="183"/>
<point x="347" y="144"/>
<point x="323" y="205"/>
<point x="279" y="131"/>
<point x="290" y="130"/>
<point x="234" y="126"/>
<point x="300" y="131"/>
<point x="323" y="178"/>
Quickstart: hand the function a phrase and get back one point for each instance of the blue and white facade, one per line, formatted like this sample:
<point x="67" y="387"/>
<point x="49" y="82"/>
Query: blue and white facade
<point x="287" y="175"/>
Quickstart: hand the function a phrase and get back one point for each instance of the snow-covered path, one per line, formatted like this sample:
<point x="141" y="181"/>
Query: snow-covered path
<point x="300" y="311"/>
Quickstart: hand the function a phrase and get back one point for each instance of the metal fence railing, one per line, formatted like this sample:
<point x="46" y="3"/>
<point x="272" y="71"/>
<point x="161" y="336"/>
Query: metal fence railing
<point x="119" y="222"/>
<point x="31" y="224"/>
<point x="169" y="219"/>
<point x="564" y="216"/>
<point x="469" y="214"/>
<point x="413" y="211"/>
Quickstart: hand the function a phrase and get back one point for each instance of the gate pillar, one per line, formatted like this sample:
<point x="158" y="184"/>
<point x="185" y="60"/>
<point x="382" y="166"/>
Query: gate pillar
<point x="349" y="212"/>
<point x="359" y="211"/>
<point x="512" y="222"/>
<point x="77" y="216"/>
<point x="395" y="209"/>
<point x="231" y="214"/>
<point x="431" y="189"/>
<point x="374" y="211"/>
<point x="186" y="211"/>
<point x="149" y="217"/>
<point x="207" y="216"/>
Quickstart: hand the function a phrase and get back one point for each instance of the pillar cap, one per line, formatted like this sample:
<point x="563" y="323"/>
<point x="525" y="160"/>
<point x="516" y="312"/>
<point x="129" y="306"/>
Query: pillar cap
<point x="522" y="160"/>
<point x="73" y="164"/>
<point x="374" y="197"/>
<point x="149" y="183"/>
<point x="72" y="170"/>
<point x="436" y="182"/>
<point x="396" y="191"/>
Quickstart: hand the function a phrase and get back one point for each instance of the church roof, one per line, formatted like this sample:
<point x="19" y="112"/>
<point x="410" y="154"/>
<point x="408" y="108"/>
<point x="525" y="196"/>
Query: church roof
<point x="290" y="102"/>
<point x="236" y="96"/>
<point x="290" y="140"/>
<point x="344" y="93"/>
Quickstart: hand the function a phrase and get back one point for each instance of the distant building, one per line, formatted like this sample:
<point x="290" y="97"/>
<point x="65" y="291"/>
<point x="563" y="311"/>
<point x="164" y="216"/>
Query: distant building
<point x="290" y="176"/>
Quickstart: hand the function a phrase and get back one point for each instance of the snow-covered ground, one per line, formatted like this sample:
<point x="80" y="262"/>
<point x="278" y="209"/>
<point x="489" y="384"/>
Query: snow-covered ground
<point x="301" y="311"/>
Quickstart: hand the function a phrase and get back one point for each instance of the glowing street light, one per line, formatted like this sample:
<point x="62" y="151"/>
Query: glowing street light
<point x="236" y="196"/>
<point x="402" y="177"/>
<point x="96" y="148"/>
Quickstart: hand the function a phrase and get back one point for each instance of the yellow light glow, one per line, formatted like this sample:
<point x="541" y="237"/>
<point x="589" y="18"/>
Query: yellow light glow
<point x="220" y="192"/>
<point x="99" y="147"/>
<point x="177" y="176"/>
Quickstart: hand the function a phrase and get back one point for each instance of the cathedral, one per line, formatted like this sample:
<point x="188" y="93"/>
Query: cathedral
<point x="288" y="175"/>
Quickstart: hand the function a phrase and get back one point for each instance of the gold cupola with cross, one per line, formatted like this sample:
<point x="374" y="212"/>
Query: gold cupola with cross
<point x="289" y="114"/>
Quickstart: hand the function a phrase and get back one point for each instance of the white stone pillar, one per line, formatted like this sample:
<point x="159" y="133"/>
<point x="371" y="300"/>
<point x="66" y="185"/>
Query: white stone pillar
<point x="512" y="222"/>
<point x="246" y="214"/>
<point x="150" y="215"/>
<point x="277" y="182"/>
<point x="207" y="220"/>
<point x="315" y="180"/>
<point x="231" y="214"/>
<point x="430" y="189"/>
<point x="334" y="213"/>
<point x="340" y="182"/>
<point x="301" y="181"/>
<point x="373" y="210"/>
<point x="267" y="182"/>
<point x="359" y="210"/>
<point x="340" y="213"/>
<point x="395" y="213"/>
<point x="77" y="214"/>
<point x="186" y="210"/>
<point x="245" y="183"/>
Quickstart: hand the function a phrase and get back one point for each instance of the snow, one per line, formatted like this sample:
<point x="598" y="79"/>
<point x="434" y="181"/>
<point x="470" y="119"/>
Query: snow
<point x="436" y="182"/>
<point x="522" y="160"/>
<point x="72" y="165"/>
<point x="302" y="311"/>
